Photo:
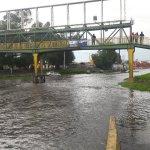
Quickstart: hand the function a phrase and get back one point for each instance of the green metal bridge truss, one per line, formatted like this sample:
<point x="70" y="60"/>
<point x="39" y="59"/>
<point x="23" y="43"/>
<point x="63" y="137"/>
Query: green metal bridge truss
<point x="57" y="38"/>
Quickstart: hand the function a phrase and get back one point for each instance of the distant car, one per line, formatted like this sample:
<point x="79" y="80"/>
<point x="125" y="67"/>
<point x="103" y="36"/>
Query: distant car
<point x="73" y="43"/>
<point x="78" y="43"/>
<point x="53" y="74"/>
<point x="83" y="42"/>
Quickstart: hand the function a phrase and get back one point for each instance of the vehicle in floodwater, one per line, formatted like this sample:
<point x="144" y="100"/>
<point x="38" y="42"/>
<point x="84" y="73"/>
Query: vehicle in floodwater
<point x="53" y="74"/>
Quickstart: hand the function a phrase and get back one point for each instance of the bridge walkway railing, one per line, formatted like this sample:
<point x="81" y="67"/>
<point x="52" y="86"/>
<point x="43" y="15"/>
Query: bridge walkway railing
<point x="118" y="40"/>
<point x="114" y="43"/>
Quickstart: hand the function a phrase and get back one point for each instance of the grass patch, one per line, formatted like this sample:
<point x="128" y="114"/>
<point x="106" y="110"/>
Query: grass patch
<point x="25" y="77"/>
<point x="141" y="83"/>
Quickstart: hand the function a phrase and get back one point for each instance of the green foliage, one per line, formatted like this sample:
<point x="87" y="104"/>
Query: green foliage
<point x="24" y="60"/>
<point x="15" y="19"/>
<point x="11" y="60"/>
<point x="45" y="28"/>
<point x="7" y="59"/>
<point x="26" y="77"/>
<point x="57" y="58"/>
<point x="2" y="60"/>
<point x="33" y="27"/>
<point x="141" y="83"/>
<point x="145" y="77"/>
<point x="105" y="59"/>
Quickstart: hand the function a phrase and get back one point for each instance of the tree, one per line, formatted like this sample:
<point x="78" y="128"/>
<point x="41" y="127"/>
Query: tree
<point x="11" y="59"/>
<point x="57" y="58"/>
<point x="104" y="59"/>
<point x="33" y="27"/>
<point x="7" y="59"/>
<point x="2" y="60"/>
<point x="15" y="19"/>
<point x="24" y="60"/>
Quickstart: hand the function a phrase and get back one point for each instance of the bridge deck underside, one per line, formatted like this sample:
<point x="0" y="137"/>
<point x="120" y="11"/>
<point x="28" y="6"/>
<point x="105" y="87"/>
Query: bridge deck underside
<point x="95" y="47"/>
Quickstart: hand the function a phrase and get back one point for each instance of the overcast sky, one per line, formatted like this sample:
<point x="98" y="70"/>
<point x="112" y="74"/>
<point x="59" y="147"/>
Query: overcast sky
<point x="136" y="9"/>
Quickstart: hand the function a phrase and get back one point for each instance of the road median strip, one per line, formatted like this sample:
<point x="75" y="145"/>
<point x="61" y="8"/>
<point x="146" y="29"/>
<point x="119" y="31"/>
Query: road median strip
<point x="112" y="140"/>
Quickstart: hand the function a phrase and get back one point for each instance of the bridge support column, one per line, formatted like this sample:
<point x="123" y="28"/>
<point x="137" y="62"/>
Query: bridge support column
<point x="38" y="78"/>
<point x="35" y="61"/>
<point x="131" y="59"/>
<point x="41" y="66"/>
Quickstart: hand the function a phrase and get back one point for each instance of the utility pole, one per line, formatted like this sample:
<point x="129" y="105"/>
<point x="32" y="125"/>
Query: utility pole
<point x="84" y="13"/>
<point x="125" y="9"/>
<point x="120" y="23"/>
<point x="120" y="9"/>
<point x="64" y="60"/>
<point x="102" y="19"/>
<point x="68" y="15"/>
<point x="37" y="18"/>
<point x="8" y="20"/>
<point x="120" y="20"/>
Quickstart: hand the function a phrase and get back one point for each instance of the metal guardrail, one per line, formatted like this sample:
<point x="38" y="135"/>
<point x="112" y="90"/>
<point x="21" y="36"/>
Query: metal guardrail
<point x="122" y="43"/>
<point x="117" y="40"/>
<point x="146" y="41"/>
<point x="113" y="41"/>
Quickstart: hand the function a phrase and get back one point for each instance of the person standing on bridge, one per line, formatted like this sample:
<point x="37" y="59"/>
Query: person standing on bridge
<point x="93" y="39"/>
<point x="132" y="37"/>
<point x="136" y="37"/>
<point x="141" y="38"/>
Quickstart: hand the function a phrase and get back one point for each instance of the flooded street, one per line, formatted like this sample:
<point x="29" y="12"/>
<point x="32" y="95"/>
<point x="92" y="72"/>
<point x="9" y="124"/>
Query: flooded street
<point x="72" y="113"/>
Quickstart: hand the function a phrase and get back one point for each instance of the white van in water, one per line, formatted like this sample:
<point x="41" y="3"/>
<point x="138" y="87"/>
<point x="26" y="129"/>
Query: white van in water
<point x="53" y="74"/>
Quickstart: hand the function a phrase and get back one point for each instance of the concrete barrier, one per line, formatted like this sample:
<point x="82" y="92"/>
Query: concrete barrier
<point x="112" y="140"/>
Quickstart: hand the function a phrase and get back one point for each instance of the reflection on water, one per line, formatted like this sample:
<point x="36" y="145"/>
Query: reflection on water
<point x="134" y="123"/>
<point x="135" y="118"/>
<point x="72" y="113"/>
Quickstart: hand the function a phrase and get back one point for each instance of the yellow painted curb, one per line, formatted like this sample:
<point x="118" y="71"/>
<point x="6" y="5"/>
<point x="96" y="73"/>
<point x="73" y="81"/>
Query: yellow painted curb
<point x="112" y="140"/>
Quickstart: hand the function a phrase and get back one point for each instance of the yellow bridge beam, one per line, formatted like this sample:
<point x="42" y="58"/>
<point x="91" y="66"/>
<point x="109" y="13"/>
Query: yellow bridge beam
<point x="112" y="140"/>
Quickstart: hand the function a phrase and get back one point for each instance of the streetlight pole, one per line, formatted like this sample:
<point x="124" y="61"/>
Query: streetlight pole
<point x="64" y="63"/>
<point x="120" y="23"/>
<point x="102" y="19"/>
<point x="120" y="9"/>
<point x="120" y="19"/>
<point x="124" y="9"/>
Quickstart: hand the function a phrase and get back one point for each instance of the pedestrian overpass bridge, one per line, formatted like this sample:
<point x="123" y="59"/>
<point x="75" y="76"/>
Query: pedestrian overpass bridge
<point x="110" y="35"/>
<point x="40" y="39"/>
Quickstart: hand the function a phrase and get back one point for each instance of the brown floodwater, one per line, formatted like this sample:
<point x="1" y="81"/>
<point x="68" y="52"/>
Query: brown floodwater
<point x="72" y="113"/>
